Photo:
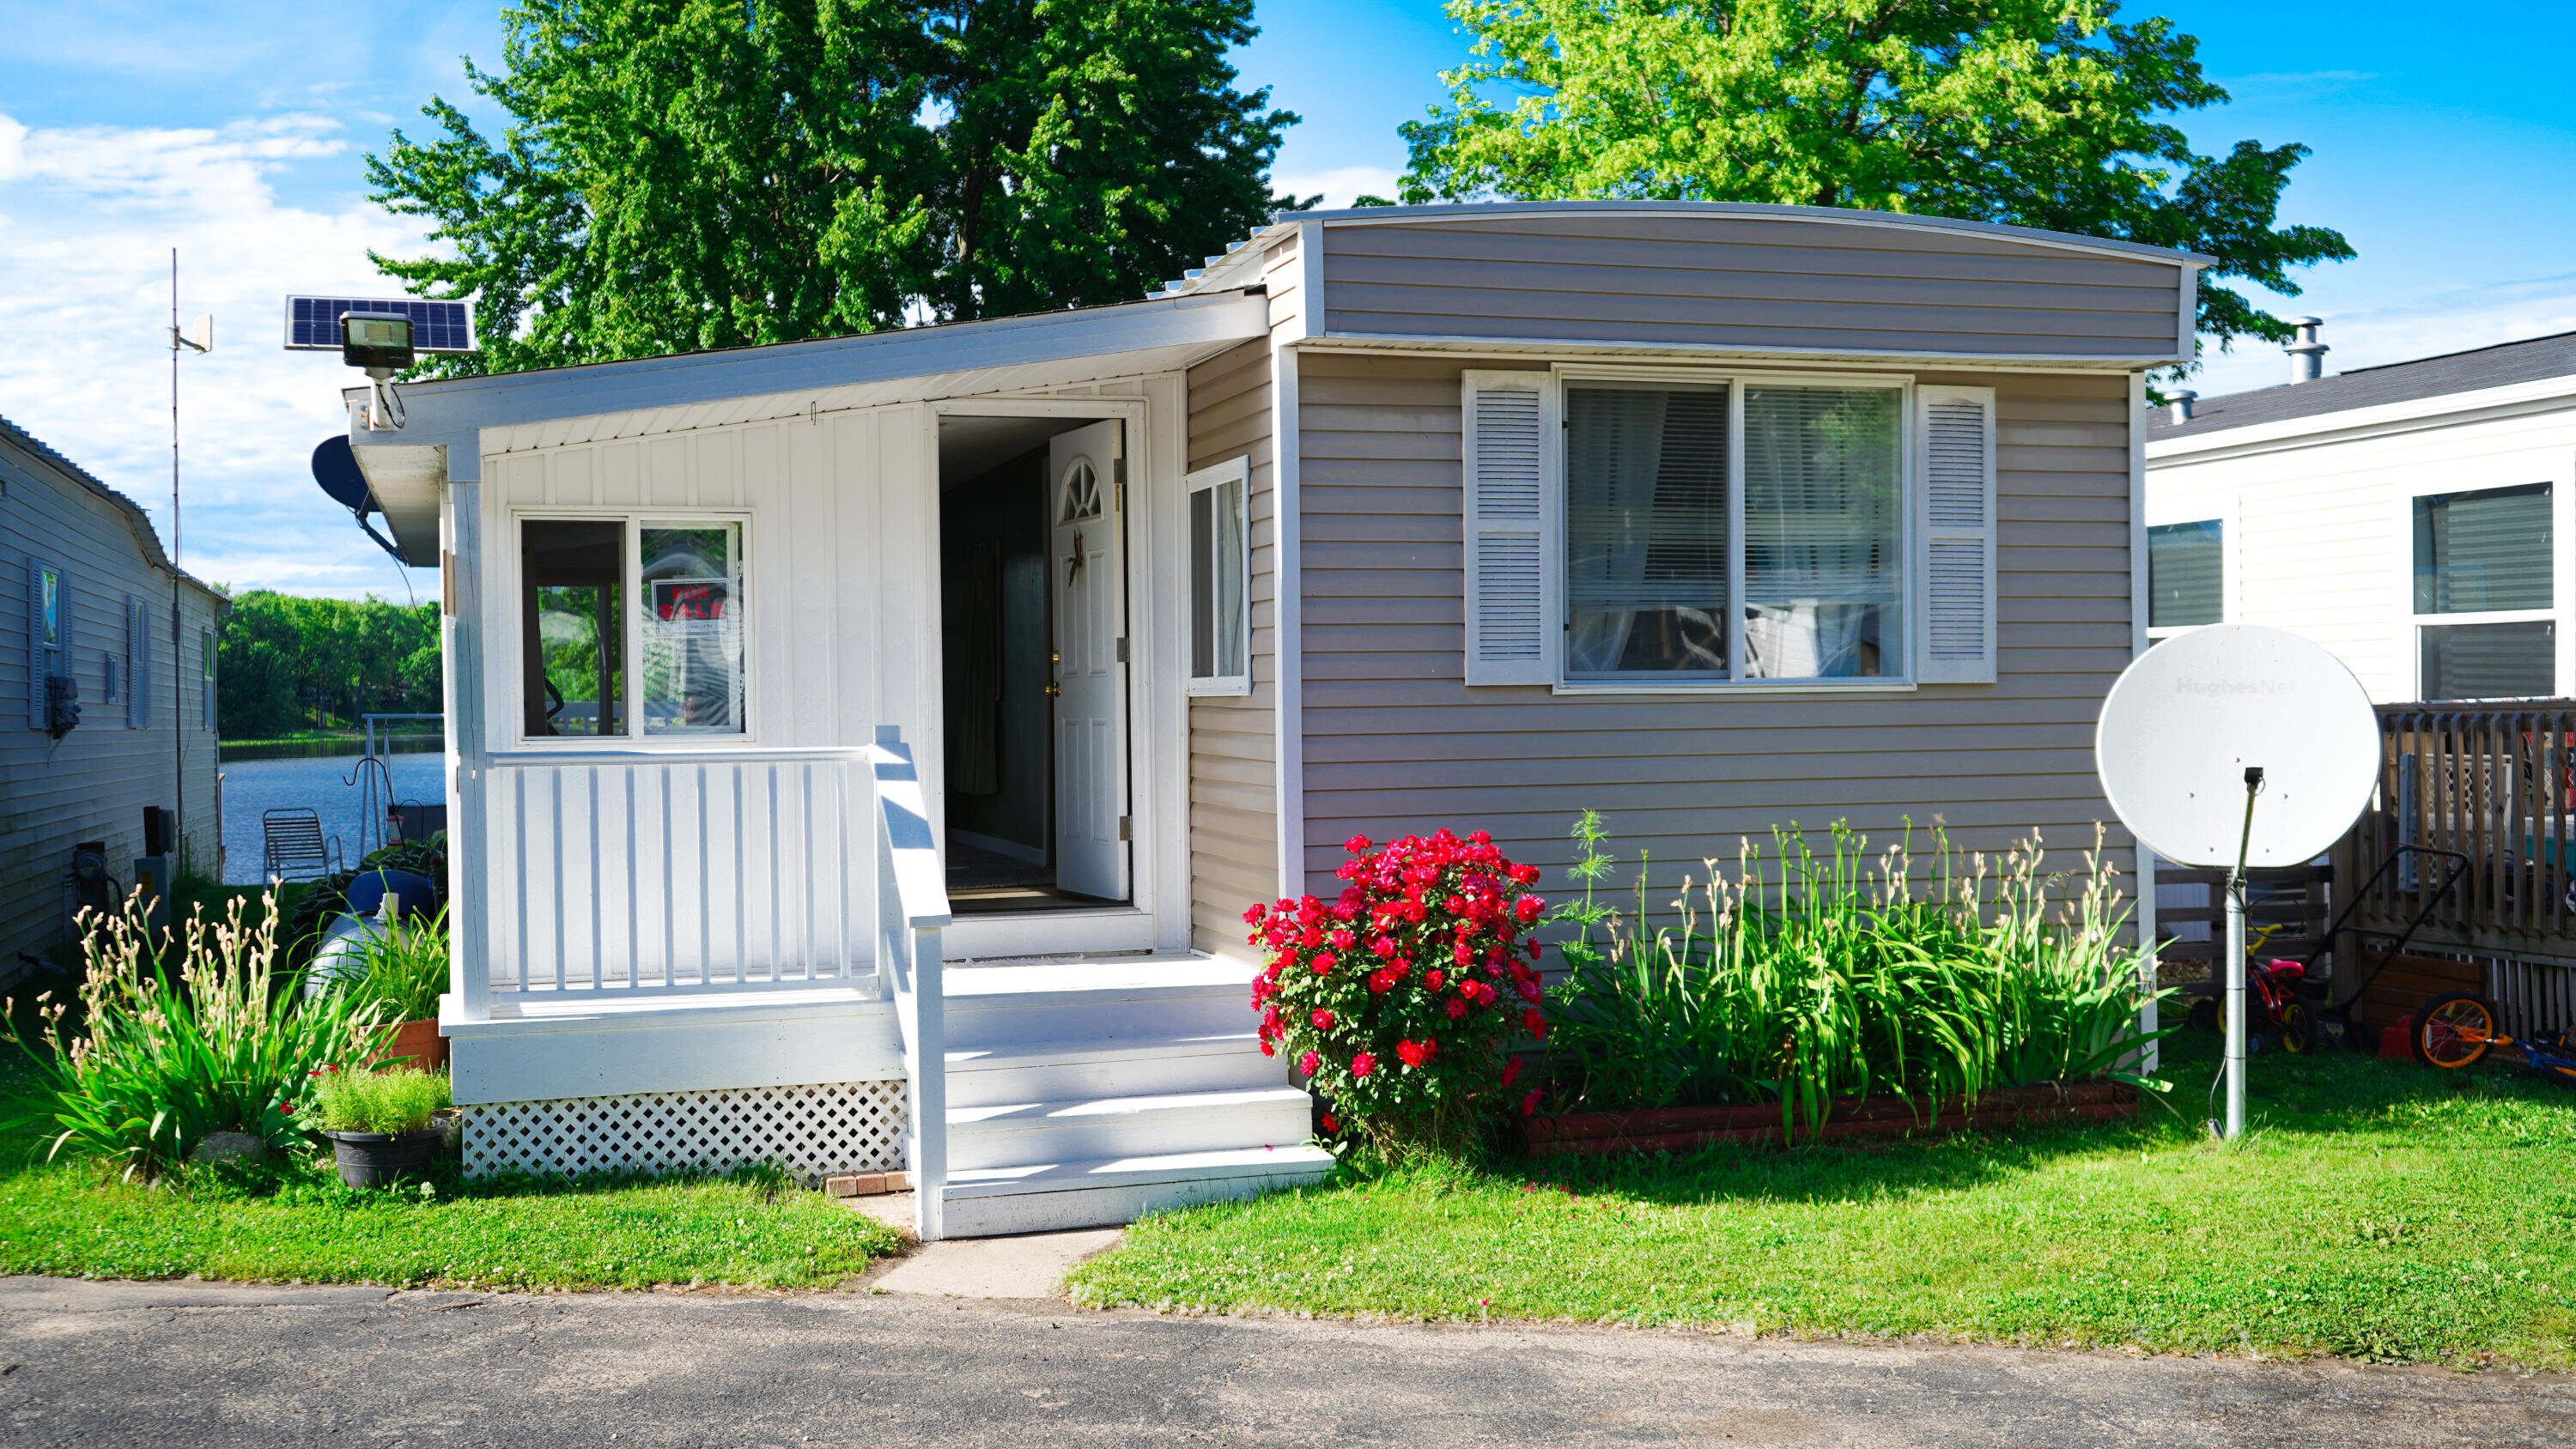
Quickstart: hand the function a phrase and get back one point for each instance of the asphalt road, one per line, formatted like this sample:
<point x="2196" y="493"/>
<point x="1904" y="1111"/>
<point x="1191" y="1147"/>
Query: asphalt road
<point x="131" y="1364"/>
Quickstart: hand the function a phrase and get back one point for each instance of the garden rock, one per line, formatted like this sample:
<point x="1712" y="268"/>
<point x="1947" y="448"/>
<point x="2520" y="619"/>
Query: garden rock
<point x="229" y="1147"/>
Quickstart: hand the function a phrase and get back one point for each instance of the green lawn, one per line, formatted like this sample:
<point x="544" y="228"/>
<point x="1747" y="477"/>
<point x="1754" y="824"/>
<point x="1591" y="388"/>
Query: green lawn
<point x="300" y="1223"/>
<point x="2377" y="1211"/>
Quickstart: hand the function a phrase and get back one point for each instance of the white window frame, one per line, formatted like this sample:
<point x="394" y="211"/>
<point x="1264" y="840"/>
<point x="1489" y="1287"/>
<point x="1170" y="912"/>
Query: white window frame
<point x="2501" y="474"/>
<point x="511" y="636"/>
<point x="1235" y="472"/>
<point x="1910" y="488"/>
<point x="2200" y="511"/>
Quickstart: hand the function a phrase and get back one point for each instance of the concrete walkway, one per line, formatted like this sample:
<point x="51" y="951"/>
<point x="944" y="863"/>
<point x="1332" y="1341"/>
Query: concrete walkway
<point x="199" y="1365"/>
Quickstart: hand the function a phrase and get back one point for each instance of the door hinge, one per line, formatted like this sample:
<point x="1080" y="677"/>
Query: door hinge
<point x="1122" y="650"/>
<point x="1126" y="827"/>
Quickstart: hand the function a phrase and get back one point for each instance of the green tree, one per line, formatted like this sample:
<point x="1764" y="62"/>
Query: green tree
<point x="680" y="174"/>
<point x="2039" y="113"/>
<point x="287" y="663"/>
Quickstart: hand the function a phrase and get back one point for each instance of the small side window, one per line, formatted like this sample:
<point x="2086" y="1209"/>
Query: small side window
<point x="2186" y="575"/>
<point x="1221" y="579"/>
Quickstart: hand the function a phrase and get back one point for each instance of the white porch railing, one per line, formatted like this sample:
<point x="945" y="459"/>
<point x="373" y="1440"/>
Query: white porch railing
<point x="912" y="908"/>
<point x="621" y="873"/>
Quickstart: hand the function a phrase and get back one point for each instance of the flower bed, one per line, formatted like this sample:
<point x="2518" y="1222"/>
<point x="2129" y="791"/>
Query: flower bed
<point x="1682" y="1129"/>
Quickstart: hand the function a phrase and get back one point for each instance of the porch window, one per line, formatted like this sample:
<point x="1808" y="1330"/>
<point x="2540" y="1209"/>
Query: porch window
<point x="1221" y="579"/>
<point x="691" y="661"/>
<point x="1672" y="577"/>
<point x="2186" y="573"/>
<point x="2485" y="595"/>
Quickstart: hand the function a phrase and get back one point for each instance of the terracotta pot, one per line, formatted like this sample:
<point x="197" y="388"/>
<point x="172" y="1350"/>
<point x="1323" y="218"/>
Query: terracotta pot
<point x="418" y="1040"/>
<point x="1680" y="1129"/>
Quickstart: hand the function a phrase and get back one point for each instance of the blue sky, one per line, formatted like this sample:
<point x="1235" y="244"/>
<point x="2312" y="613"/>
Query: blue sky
<point x="235" y="131"/>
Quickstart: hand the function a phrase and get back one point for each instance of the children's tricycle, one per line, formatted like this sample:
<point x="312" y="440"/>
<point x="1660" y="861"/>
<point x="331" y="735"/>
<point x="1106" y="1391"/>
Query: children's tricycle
<point x="2459" y="1029"/>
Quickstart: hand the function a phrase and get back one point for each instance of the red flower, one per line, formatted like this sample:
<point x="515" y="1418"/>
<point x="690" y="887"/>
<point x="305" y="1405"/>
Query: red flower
<point x="1527" y="908"/>
<point x="1415" y="1053"/>
<point x="1511" y="1071"/>
<point x="1529" y="1104"/>
<point x="1323" y="1020"/>
<point x="1306" y="1065"/>
<point x="1431" y="980"/>
<point x="1267" y="1049"/>
<point x="1525" y="875"/>
<point x="1363" y="1064"/>
<point x="1456" y="1008"/>
<point x="1534" y="1024"/>
<point x="1332" y="1123"/>
<point x="1325" y="962"/>
<point x="1357" y="845"/>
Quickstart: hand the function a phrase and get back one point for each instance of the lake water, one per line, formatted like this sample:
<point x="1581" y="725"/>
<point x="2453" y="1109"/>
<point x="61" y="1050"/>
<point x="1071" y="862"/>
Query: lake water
<point x="325" y="786"/>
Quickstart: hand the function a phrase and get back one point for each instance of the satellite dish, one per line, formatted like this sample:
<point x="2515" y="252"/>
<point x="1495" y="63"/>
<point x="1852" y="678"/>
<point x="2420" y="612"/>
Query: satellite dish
<point x="335" y="467"/>
<point x="2190" y="716"/>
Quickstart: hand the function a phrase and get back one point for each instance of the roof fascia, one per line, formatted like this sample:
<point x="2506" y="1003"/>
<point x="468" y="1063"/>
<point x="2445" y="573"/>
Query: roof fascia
<point x="455" y="412"/>
<point x="2414" y="415"/>
<point x="1706" y="352"/>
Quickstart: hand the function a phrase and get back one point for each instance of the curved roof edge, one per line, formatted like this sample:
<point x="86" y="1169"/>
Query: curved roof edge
<point x="135" y="518"/>
<point x="1220" y="269"/>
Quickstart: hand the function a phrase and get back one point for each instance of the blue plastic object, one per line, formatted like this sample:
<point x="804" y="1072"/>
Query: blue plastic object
<point x="416" y="896"/>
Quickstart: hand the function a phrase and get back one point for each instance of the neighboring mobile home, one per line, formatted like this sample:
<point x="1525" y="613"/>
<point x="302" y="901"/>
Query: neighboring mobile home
<point x="2412" y="517"/>
<point x="93" y="621"/>
<point x="1714" y="517"/>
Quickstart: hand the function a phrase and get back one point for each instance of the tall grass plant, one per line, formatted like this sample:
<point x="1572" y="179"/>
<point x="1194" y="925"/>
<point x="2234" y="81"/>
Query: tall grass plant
<point x="1801" y="977"/>
<point x="155" y="1062"/>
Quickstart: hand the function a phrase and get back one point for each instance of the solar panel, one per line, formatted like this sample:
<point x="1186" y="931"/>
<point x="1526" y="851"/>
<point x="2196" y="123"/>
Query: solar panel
<point x="313" y="323"/>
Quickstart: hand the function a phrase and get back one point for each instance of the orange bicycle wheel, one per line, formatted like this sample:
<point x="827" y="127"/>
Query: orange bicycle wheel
<point x="2454" y="1031"/>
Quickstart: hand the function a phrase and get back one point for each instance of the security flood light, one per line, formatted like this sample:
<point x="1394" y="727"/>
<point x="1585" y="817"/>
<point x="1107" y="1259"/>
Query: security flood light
<point x="382" y="335"/>
<point x="380" y="342"/>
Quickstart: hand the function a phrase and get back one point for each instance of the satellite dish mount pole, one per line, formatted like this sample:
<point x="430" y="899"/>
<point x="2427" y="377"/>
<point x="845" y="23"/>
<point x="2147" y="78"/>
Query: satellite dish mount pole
<point x="2236" y="963"/>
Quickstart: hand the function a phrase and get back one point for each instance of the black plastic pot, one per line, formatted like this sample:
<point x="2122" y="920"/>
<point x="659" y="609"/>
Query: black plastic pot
<point x="373" y="1159"/>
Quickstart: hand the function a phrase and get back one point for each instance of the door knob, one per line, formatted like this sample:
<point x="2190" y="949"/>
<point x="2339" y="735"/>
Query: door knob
<point x="1054" y="689"/>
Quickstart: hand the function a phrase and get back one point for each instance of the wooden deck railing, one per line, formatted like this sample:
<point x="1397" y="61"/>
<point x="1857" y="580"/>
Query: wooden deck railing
<point x="2495" y="783"/>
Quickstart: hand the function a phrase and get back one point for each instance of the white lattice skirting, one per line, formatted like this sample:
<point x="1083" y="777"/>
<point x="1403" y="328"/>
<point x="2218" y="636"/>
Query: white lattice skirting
<point x="832" y="1127"/>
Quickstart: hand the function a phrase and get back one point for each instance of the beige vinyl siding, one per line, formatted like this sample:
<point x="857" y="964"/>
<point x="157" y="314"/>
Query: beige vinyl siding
<point x="1746" y="283"/>
<point x="1395" y="742"/>
<point x="1234" y="763"/>
<point x="93" y="783"/>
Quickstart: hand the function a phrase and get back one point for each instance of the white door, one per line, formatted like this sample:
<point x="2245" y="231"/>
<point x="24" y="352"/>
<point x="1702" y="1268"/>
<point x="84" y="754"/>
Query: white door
<point x="1091" y="705"/>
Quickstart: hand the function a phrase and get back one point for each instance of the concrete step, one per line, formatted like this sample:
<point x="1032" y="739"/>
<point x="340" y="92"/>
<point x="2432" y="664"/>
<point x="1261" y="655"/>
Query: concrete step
<point x="1068" y="1071"/>
<point x="1033" y="1134"/>
<point x="994" y="1201"/>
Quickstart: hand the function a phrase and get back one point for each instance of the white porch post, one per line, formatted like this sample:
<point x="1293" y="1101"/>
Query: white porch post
<point x="912" y="907"/>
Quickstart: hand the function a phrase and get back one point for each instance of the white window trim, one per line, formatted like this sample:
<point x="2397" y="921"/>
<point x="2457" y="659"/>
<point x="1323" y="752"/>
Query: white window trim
<point x="505" y="675"/>
<point x="2508" y="471"/>
<point x="2200" y="510"/>
<point x="1237" y="471"/>
<point x="1734" y="380"/>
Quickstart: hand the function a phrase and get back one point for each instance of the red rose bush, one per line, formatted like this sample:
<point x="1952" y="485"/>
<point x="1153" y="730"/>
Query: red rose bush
<point x="1399" y="1001"/>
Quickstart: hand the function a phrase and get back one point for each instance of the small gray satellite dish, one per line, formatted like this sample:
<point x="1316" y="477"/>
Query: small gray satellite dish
<point x="2190" y="716"/>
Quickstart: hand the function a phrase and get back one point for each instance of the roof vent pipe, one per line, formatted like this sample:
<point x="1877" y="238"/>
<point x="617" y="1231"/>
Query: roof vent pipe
<point x="2307" y="355"/>
<point x="2179" y="401"/>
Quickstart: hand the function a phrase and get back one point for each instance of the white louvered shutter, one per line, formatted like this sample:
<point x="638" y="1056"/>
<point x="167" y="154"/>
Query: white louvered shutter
<point x="1958" y="596"/>
<point x="1514" y="622"/>
<point x="138" y="627"/>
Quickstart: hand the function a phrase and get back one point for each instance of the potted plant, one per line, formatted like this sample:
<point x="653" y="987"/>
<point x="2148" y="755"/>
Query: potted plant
<point x="401" y="967"/>
<point x="382" y="1123"/>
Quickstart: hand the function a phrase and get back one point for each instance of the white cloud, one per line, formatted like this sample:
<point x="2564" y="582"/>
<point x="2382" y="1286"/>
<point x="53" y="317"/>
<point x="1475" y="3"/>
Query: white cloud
<point x="2452" y="321"/>
<point x="1341" y="185"/>
<point x="87" y="219"/>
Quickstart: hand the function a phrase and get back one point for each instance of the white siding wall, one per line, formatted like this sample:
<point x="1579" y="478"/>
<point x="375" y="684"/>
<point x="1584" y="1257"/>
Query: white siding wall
<point x="2319" y="536"/>
<point x="93" y="783"/>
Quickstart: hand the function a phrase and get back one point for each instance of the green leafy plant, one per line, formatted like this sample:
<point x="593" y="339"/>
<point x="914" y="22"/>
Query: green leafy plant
<point x="1399" y="1001"/>
<point x="403" y="969"/>
<point x="394" y="1099"/>
<point x="316" y="903"/>
<point x="155" y="1064"/>
<point x="1804" y="978"/>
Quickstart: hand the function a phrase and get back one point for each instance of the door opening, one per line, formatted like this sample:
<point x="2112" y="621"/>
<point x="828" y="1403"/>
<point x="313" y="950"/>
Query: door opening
<point x="1034" y="676"/>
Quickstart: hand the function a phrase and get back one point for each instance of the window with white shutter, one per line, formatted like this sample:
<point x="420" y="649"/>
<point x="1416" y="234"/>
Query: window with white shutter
<point x="1959" y="545"/>
<point x="138" y="645"/>
<point x="1514" y="618"/>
